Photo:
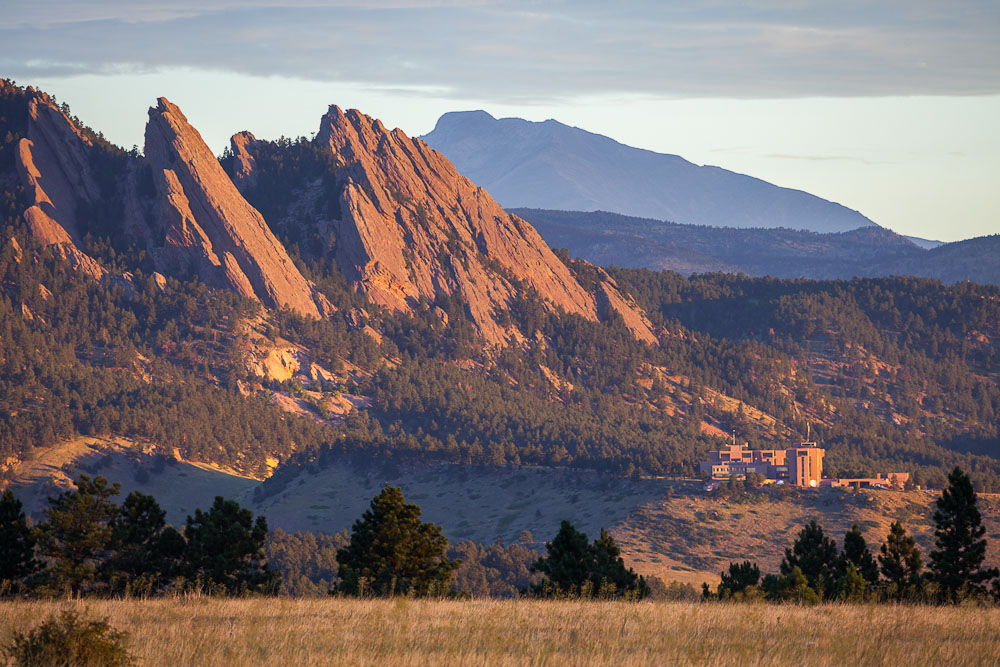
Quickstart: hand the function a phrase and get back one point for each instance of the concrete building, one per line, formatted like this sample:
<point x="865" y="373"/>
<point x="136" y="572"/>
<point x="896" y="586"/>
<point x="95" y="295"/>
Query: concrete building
<point x="799" y="466"/>
<point x="883" y="480"/>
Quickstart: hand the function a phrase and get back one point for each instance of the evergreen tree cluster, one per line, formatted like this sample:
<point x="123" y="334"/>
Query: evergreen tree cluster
<point x="308" y="565"/>
<point x="575" y="568"/>
<point x="494" y="570"/>
<point x="89" y="545"/>
<point x="307" y="561"/>
<point x="813" y="569"/>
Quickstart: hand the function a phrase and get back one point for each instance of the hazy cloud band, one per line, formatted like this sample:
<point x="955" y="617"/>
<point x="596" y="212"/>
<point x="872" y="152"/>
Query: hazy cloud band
<point x="524" y="51"/>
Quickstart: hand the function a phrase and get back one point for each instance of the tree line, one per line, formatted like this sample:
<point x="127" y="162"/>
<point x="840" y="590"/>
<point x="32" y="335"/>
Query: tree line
<point x="87" y="544"/>
<point x="814" y="570"/>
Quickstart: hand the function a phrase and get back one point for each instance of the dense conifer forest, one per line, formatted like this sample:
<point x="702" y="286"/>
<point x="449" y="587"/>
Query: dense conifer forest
<point x="931" y="405"/>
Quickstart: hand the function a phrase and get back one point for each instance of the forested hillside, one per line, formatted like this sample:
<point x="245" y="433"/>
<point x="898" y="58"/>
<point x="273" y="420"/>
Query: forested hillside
<point x="888" y="373"/>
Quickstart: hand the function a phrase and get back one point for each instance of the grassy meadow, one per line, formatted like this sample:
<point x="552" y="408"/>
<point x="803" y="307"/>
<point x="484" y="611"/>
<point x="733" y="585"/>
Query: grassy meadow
<point x="205" y="631"/>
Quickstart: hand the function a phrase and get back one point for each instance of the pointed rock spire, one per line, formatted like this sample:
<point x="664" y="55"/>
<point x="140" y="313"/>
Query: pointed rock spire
<point x="205" y="217"/>
<point x="413" y="227"/>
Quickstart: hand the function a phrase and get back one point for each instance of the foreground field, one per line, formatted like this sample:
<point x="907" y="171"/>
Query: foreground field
<point x="410" y="632"/>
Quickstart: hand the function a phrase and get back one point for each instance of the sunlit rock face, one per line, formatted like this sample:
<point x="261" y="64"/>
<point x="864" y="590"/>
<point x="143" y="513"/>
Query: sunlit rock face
<point x="208" y="222"/>
<point x="411" y="226"/>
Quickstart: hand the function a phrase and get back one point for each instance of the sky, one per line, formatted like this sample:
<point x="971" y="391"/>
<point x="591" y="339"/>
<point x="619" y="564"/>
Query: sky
<point x="888" y="107"/>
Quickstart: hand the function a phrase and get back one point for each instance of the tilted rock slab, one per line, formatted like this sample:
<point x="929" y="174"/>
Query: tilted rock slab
<point x="411" y="226"/>
<point x="208" y="222"/>
<point x="52" y="163"/>
<point x="244" y="165"/>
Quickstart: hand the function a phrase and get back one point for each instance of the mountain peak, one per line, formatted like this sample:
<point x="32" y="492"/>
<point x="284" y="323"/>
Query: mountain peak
<point x="464" y="118"/>
<point x="412" y="227"/>
<point x="550" y="165"/>
<point x="208" y="223"/>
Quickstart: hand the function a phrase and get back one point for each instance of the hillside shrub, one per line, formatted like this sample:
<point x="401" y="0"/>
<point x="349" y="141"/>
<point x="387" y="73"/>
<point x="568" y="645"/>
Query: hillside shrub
<point x="68" y="639"/>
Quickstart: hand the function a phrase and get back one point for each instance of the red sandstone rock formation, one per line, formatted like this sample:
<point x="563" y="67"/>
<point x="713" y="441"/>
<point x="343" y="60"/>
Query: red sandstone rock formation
<point x="413" y="226"/>
<point x="207" y="220"/>
<point x="610" y="299"/>
<point x="53" y="167"/>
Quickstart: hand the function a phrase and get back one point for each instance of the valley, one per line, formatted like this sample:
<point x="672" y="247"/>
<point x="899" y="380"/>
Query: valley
<point x="667" y="528"/>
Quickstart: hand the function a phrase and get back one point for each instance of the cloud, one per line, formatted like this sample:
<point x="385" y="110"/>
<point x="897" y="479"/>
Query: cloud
<point x="49" y="13"/>
<point x="826" y="158"/>
<point x="526" y="51"/>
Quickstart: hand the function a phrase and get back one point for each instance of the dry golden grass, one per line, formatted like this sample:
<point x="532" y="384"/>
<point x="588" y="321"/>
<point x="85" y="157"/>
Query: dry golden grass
<point x="202" y="631"/>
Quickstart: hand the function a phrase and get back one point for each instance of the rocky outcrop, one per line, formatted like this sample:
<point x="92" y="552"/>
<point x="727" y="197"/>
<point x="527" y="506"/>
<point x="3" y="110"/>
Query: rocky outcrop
<point x="611" y="300"/>
<point x="53" y="166"/>
<point x="209" y="227"/>
<point x="408" y="226"/>
<point x="52" y="162"/>
<point x="411" y="226"/>
<point x="16" y="248"/>
<point x="244" y="172"/>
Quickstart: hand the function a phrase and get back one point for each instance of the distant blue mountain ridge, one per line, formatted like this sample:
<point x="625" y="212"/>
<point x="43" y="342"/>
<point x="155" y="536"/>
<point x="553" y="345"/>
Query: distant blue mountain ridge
<point x="550" y="165"/>
<point x="611" y="238"/>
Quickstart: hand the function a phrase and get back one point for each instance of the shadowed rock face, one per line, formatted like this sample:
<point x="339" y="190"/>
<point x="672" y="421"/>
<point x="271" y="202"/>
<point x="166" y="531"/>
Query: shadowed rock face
<point x="244" y="165"/>
<point x="203" y="223"/>
<point x="207" y="221"/>
<point x="411" y="226"/>
<point x="52" y="164"/>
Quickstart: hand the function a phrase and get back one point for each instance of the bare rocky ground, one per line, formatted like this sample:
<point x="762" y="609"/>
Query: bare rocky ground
<point x="667" y="528"/>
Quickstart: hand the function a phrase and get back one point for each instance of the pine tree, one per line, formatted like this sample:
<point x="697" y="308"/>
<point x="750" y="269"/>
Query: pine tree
<point x="17" y="543"/>
<point x="856" y="553"/>
<point x="146" y="551"/>
<point x="740" y="577"/>
<point x="792" y="586"/>
<point x="900" y="562"/>
<point x="816" y="556"/>
<point x="960" y="547"/>
<point x="569" y="562"/>
<point x="76" y="535"/>
<point x="609" y="576"/>
<point x="852" y="586"/>
<point x="225" y="550"/>
<point x="574" y="567"/>
<point x="392" y="552"/>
